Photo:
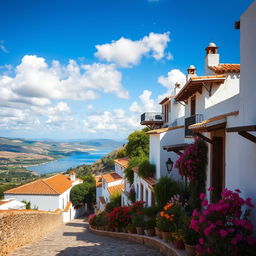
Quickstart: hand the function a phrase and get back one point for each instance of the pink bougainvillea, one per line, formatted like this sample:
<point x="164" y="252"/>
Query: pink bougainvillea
<point x="224" y="227"/>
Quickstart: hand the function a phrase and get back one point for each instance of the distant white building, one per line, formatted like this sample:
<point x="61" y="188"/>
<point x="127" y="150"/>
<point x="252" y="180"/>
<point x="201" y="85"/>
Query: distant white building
<point x="11" y="204"/>
<point x="48" y="194"/>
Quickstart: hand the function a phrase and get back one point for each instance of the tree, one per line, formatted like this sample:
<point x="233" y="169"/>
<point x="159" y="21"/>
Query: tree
<point x="138" y="144"/>
<point x="78" y="193"/>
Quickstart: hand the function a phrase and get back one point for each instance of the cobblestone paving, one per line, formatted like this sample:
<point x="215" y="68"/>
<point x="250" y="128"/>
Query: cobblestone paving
<point x="75" y="240"/>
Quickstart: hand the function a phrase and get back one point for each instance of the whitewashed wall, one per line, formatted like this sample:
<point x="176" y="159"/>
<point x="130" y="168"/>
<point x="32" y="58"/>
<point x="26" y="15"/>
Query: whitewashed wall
<point x="137" y="181"/>
<point x="43" y="202"/>
<point x="105" y="192"/>
<point x="119" y="169"/>
<point x="243" y="163"/>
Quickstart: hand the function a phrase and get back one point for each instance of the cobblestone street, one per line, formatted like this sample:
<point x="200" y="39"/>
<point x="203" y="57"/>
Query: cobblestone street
<point x="74" y="239"/>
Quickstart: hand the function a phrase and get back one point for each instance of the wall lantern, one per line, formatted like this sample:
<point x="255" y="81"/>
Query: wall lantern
<point x="169" y="165"/>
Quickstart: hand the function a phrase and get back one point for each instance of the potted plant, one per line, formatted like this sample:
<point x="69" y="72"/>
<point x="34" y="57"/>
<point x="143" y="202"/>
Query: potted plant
<point x="190" y="237"/>
<point x="177" y="239"/>
<point x="119" y="218"/>
<point x="138" y="222"/>
<point x="150" y="227"/>
<point x="131" y="229"/>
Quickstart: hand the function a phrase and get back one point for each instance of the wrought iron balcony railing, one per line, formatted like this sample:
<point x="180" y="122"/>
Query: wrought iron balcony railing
<point x="197" y="118"/>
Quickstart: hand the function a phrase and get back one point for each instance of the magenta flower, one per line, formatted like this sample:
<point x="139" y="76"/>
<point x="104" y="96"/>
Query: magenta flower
<point x="223" y="233"/>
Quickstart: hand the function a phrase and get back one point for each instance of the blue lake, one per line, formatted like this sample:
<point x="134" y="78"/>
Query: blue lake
<point x="63" y="164"/>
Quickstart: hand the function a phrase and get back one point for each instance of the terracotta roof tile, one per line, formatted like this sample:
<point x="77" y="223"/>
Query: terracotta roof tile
<point x="203" y="124"/>
<point x="122" y="161"/>
<point x="225" y="68"/>
<point x="111" y="177"/>
<point x="98" y="181"/>
<point x="195" y="84"/>
<point x="151" y="181"/>
<point x="158" y="131"/>
<point x="54" y="185"/>
<point x="166" y="99"/>
<point x="115" y="189"/>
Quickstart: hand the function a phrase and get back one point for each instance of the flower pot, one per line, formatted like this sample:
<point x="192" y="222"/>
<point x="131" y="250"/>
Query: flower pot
<point x="140" y="230"/>
<point x="165" y="235"/>
<point x="190" y="249"/>
<point x="158" y="233"/>
<point x="179" y="244"/>
<point x="150" y="232"/>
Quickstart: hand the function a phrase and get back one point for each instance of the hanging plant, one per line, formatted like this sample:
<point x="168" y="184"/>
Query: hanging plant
<point x="192" y="165"/>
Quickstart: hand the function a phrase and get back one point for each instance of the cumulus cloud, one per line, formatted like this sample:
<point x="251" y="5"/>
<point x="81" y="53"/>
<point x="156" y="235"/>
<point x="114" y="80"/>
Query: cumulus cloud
<point x="174" y="76"/>
<point x="34" y="78"/>
<point x="127" y="53"/>
<point x="147" y="103"/>
<point x="2" y="47"/>
<point x="117" y="120"/>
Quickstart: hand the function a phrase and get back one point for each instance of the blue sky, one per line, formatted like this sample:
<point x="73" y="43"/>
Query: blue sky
<point x="87" y="69"/>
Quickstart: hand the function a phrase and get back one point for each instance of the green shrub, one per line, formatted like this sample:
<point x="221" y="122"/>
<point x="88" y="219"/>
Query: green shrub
<point x="102" y="219"/>
<point x="116" y="199"/>
<point x="146" y="169"/>
<point x="138" y="220"/>
<point x="152" y="211"/>
<point x="162" y="223"/>
<point x="133" y="162"/>
<point x="165" y="189"/>
<point x="150" y="223"/>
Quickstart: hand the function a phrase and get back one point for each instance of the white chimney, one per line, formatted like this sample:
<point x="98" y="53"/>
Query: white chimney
<point x="212" y="58"/>
<point x="191" y="72"/>
<point x="72" y="176"/>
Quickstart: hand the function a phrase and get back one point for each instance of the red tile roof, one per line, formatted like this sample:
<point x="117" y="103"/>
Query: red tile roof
<point x="161" y="130"/>
<point x="54" y="185"/>
<point x="111" y="177"/>
<point x="225" y="68"/>
<point x="122" y="161"/>
<point x="195" y="84"/>
<point x="98" y="181"/>
<point x="203" y="124"/>
<point x="115" y="189"/>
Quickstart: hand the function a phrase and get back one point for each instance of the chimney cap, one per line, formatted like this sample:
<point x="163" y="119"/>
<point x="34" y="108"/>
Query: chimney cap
<point x="212" y="44"/>
<point x="191" y="67"/>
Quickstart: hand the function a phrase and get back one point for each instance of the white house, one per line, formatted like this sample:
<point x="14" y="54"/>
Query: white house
<point x="47" y="194"/>
<point x="107" y="185"/>
<point x="144" y="188"/>
<point x="241" y="134"/>
<point x="11" y="203"/>
<point x="212" y="105"/>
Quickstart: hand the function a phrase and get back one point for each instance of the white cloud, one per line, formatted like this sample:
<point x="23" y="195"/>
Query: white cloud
<point x="148" y="104"/>
<point x="174" y="76"/>
<point x="117" y="121"/>
<point x="2" y="46"/>
<point x="127" y="53"/>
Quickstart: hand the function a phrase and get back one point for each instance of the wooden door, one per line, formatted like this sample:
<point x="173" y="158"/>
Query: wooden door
<point x="218" y="167"/>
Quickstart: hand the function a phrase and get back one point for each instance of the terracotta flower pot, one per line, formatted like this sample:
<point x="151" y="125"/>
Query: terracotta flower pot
<point x="140" y="230"/>
<point x="165" y="235"/>
<point x="150" y="232"/>
<point x="179" y="244"/>
<point x="158" y="233"/>
<point x="190" y="249"/>
<point x="133" y="231"/>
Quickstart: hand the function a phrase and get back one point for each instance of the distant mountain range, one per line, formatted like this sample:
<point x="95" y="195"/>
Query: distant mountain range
<point x="38" y="149"/>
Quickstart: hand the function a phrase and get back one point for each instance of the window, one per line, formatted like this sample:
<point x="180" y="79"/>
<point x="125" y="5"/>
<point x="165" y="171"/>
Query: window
<point x="193" y="106"/>
<point x="166" y="112"/>
<point x="137" y="192"/>
<point x="141" y="192"/>
<point x="146" y="197"/>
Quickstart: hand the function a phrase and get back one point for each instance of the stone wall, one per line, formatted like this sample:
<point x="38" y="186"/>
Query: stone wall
<point x="19" y="227"/>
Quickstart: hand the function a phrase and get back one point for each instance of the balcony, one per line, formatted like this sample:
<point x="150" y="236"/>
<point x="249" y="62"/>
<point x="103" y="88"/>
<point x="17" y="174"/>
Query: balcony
<point x="197" y="118"/>
<point x="152" y="119"/>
